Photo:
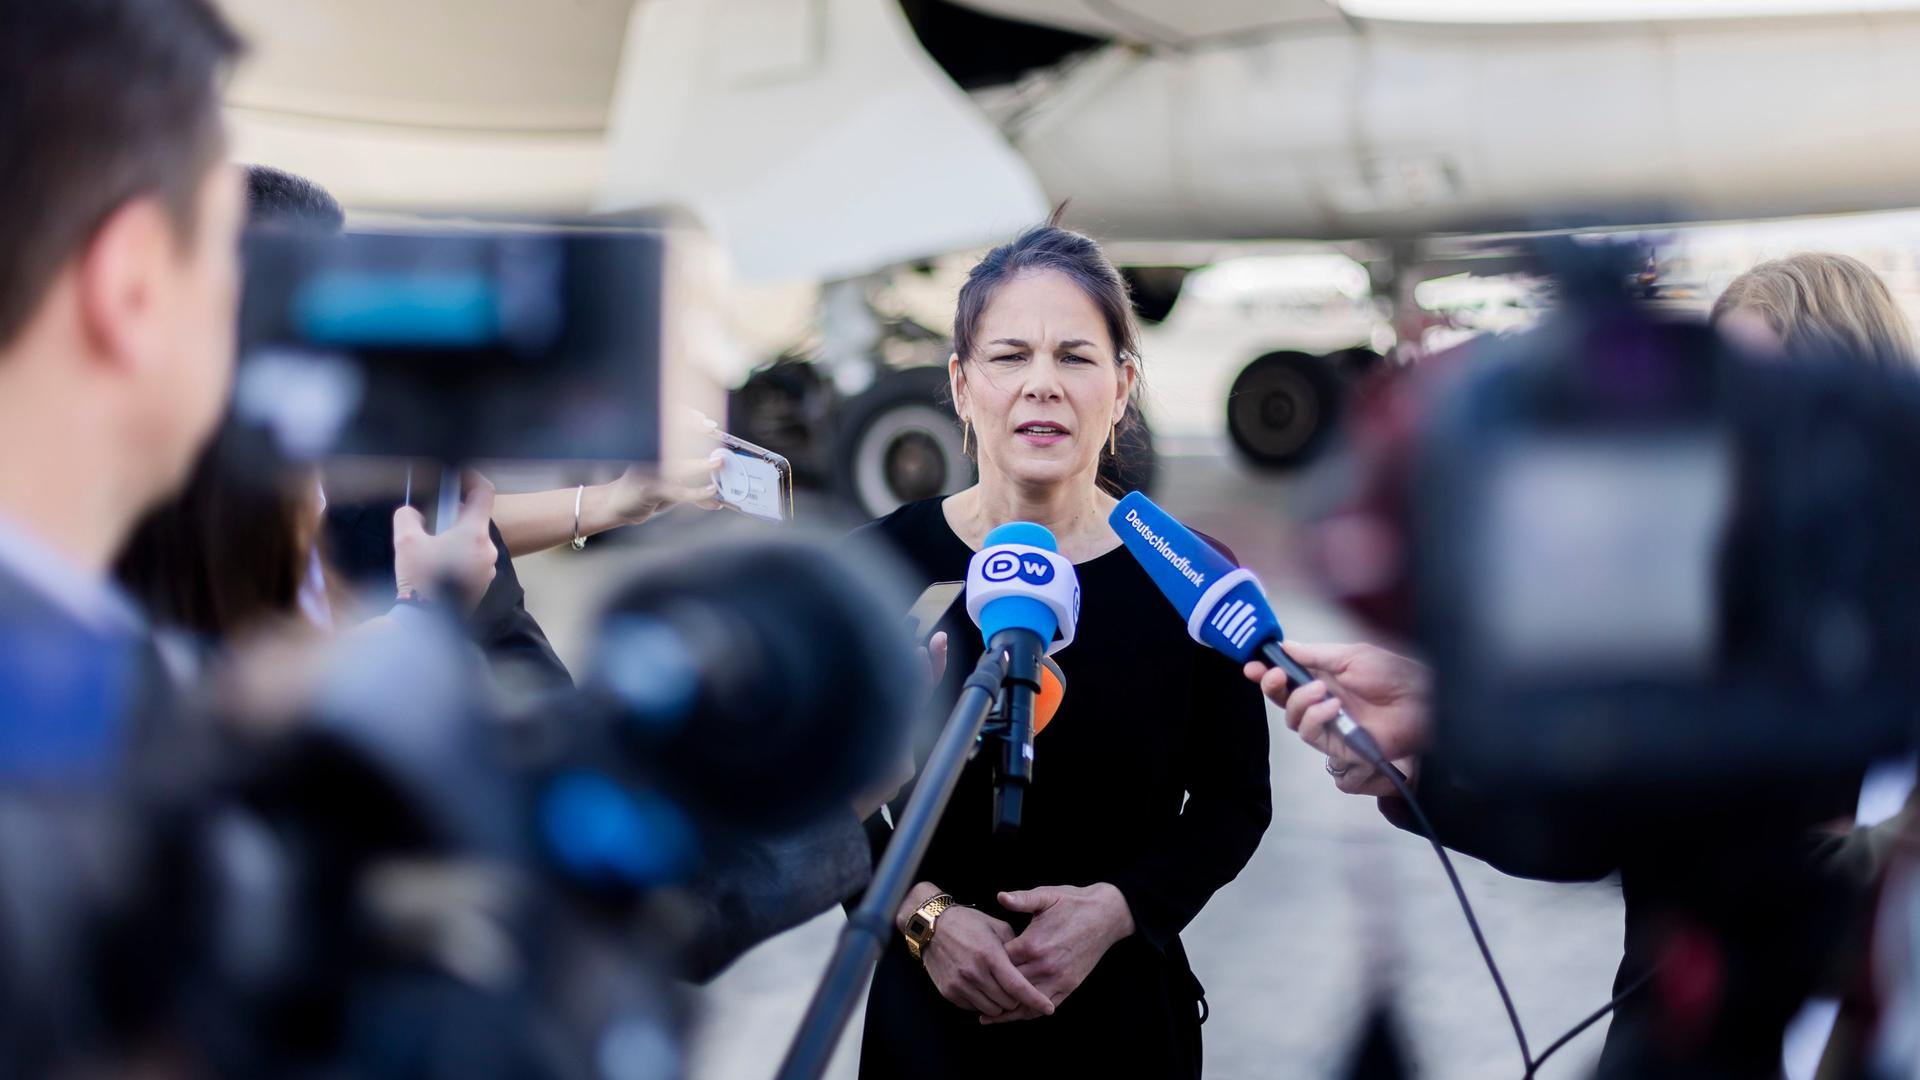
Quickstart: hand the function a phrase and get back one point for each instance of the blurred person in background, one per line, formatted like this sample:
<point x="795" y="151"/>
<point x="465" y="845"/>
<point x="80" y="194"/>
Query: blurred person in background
<point x="1820" y="303"/>
<point x="250" y="543"/>
<point x="1057" y="951"/>
<point x="241" y="551"/>
<point x="1816" y="299"/>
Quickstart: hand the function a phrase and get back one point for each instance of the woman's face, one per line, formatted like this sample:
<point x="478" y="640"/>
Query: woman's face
<point x="1044" y="387"/>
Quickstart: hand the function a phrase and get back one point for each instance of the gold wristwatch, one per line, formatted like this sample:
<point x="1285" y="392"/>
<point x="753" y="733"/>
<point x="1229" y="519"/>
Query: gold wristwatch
<point x="919" y="931"/>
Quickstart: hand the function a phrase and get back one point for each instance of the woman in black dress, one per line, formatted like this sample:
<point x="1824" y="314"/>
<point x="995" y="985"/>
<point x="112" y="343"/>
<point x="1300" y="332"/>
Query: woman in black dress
<point x="1059" y="947"/>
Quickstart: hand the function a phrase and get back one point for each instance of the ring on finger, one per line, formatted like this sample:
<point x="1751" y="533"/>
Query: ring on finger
<point x="1336" y="771"/>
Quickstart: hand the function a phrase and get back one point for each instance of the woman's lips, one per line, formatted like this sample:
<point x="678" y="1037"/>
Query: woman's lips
<point x="1048" y="435"/>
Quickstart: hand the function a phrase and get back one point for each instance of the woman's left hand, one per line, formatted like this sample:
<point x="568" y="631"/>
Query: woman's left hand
<point x="1072" y="928"/>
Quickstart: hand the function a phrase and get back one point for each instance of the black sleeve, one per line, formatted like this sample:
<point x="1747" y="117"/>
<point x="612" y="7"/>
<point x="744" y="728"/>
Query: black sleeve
<point x="360" y="546"/>
<point x="755" y="887"/>
<point x="1229" y="803"/>
<point x="1524" y="845"/>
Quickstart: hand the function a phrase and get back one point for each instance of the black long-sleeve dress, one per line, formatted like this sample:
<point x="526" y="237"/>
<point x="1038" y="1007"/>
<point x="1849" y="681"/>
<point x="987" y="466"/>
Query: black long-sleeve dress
<point x="1152" y="777"/>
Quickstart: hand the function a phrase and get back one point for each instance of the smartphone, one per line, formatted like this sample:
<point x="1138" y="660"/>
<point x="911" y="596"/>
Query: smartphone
<point x="926" y="612"/>
<point x="754" y="480"/>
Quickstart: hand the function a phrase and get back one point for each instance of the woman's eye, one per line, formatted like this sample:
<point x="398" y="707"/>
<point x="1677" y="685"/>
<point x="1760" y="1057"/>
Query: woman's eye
<point x="1009" y="356"/>
<point x="1072" y="359"/>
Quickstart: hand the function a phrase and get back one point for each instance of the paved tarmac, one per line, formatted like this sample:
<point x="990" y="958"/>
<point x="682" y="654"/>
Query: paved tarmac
<point x="1284" y="950"/>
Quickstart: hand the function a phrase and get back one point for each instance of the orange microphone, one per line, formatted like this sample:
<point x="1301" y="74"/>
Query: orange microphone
<point x="1053" y="690"/>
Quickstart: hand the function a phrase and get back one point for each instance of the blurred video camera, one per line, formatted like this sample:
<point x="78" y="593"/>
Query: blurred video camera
<point x="530" y="345"/>
<point x="390" y="874"/>
<point x="1646" y="566"/>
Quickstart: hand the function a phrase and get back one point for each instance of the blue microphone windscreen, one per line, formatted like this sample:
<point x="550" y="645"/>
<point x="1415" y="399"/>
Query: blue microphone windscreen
<point x="1008" y="588"/>
<point x="1238" y="622"/>
<point x="1022" y="532"/>
<point x="1236" y="618"/>
<point x="1181" y="563"/>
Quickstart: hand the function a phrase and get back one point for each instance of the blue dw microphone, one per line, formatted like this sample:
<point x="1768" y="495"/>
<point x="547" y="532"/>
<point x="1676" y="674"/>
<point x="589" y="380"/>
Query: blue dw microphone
<point x="1224" y="605"/>
<point x="1025" y="597"/>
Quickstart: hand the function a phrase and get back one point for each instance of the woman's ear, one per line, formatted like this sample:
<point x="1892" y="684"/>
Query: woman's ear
<point x="957" y="385"/>
<point x="1123" y="390"/>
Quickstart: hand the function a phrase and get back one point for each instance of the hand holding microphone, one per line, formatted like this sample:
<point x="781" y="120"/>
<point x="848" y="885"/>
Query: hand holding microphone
<point x="1387" y="695"/>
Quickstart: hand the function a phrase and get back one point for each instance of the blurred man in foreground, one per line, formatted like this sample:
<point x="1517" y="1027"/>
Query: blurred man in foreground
<point x="118" y="293"/>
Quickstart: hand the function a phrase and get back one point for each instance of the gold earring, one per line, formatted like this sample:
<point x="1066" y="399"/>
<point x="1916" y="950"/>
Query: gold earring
<point x="1113" y="440"/>
<point x="966" y="434"/>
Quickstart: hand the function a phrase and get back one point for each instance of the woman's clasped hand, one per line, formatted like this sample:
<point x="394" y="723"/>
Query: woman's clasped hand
<point x="977" y="961"/>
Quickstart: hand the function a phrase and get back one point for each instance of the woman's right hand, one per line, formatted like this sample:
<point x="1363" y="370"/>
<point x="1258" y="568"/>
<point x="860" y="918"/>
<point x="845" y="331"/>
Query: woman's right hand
<point x="967" y="960"/>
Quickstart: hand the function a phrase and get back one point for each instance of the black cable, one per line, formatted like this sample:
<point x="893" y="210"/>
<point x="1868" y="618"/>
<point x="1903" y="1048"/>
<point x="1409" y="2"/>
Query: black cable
<point x="1362" y="743"/>
<point x="1378" y="761"/>
<point x="1583" y="1025"/>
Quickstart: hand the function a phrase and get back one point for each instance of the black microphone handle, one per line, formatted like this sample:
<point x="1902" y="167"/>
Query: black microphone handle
<point x="1024" y="650"/>
<point x="1351" y="733"/>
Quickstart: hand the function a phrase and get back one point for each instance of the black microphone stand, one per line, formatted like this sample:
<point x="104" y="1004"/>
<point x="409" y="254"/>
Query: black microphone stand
<point x="871" y="924"/>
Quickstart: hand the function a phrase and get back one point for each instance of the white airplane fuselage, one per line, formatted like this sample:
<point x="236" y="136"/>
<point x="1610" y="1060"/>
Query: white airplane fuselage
<point x="817" y="138"/>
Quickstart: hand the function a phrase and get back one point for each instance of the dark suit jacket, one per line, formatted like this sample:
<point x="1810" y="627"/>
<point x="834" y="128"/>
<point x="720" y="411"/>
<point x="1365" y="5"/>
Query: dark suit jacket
<point x="359" y="542"/>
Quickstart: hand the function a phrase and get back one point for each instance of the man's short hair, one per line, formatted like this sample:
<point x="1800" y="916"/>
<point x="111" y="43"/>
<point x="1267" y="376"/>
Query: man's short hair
<point x="102" y="102"/>
<point x="280" y="200"/>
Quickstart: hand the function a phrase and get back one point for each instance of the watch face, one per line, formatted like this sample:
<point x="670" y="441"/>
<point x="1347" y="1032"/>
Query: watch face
<point x="917" y="924"/>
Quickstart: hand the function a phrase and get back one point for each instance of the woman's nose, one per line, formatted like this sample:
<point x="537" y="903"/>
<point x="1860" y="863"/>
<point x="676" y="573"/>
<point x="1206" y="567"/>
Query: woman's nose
<point x="1043" y="383"/>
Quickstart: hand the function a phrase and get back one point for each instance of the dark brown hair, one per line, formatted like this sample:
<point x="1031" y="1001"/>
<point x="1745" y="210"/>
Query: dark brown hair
<point x="228" y="553"/>
<point x="102" y="102"/>
<point x="277" y="199"/>
<point x="1049" y="247"/>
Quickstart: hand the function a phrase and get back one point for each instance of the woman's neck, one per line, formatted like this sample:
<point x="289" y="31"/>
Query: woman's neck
<point x="1075" y="512"/>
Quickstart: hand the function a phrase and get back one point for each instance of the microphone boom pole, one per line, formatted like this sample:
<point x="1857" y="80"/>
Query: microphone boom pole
<point x="870" y="925"/>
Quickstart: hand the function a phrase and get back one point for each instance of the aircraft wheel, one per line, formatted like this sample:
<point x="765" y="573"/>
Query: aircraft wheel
<point x="1283" y="409"/>
<point x="899" y="442"/>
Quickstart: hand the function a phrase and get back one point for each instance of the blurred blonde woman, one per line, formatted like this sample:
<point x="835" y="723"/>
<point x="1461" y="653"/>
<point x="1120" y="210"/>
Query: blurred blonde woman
<point x="1817" y="299"/>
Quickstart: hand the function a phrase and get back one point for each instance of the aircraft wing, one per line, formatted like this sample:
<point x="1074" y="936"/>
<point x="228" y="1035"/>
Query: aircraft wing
<point x="815" y="138"/>
<point x="493" y="105"/>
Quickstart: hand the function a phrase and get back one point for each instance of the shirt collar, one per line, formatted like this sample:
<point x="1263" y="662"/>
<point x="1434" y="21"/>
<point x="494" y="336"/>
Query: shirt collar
<point x="94" y="601"/>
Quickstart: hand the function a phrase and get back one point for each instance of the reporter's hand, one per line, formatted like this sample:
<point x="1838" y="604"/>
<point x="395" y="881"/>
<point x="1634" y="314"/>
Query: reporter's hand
<point x="967" y="961"/>
<point x="463" y="555"/>
<point x="637" y="494"/>
<point x="935" y="652"/>
<point x="1072" y="928"/>
<point x="1387" y="694"/>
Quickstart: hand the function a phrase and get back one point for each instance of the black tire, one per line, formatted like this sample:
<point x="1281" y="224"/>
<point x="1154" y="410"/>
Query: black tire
<point x="775" y="408"/>
<point x="1283" y="409"/>
<point x="899" y="442"/>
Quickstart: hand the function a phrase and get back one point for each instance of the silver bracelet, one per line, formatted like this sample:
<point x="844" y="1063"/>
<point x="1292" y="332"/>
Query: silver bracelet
<point x="579" y="542"/>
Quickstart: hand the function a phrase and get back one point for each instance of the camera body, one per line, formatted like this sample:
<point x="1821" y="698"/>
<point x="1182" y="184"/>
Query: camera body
<point x="403" y="871"/>
<point x="1648" y="568"/>
<point x="523" y="345"/>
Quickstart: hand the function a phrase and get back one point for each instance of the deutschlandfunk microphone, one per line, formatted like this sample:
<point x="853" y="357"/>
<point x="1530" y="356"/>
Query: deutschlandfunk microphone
<point x="1224" y="605"/>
